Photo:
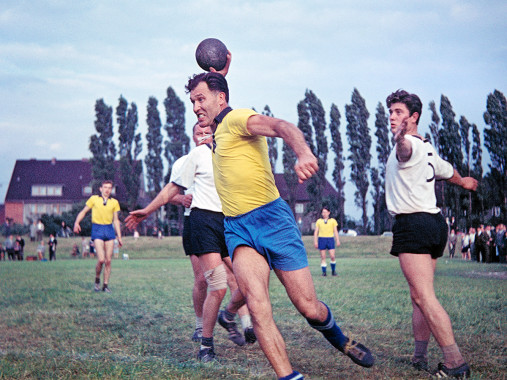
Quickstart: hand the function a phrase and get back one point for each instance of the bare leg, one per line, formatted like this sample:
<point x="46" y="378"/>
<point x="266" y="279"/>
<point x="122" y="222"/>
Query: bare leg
<point x="101" y="256"/>
<point x="252" y="274"/>
<point x="200" y="288"/>
<point x="419" y="271"/>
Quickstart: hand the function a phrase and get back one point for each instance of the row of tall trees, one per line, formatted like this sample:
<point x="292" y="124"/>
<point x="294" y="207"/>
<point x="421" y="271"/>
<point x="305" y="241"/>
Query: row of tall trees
<point x="457" y="141"/>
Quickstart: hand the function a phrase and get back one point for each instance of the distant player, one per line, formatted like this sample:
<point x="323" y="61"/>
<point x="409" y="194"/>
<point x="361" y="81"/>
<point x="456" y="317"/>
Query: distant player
<point x="105" y="223"/>
<point x="324" y="238"/>
<point x="420" y="230"/>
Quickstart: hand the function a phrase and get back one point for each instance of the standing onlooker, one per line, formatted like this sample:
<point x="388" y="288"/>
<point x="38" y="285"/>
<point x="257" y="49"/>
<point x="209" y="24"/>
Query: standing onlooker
<point x="21" y="243"/>
<point x="40" y="230"/>
<point x="324" y="237"/>
<point x="7" y="228"/>
<point x="116" y="249"/>
<point x="465" y="245"/>
<point x="33" y="231"/>
<point x="481" y="244"/>
<point x="453" y="240"/>
<point x="2" y="252"/>
<point x="500" y="242"/>
<point x="420" y="231"/>
<point x="490" y="230"/>
<point x="64" y="230"/>
<point x="472" y="255"/>
<point x="41" y="251"/>
<point x="9" y="247"/>
<point x="52" y="247"/>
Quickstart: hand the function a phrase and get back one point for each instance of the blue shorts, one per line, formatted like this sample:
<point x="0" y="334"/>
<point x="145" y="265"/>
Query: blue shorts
<point x="326" y="243"/>
<point x="103" y="232"/>
<point x="272" y="231"/>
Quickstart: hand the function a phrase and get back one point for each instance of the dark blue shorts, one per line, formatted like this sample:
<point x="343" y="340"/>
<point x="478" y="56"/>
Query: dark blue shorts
<point x="326" y="243"/>
<point x="103" y="232"/>
<point x="421" y="233"/>
<point x="272" y="231"/>
<point x="207" y="232"/>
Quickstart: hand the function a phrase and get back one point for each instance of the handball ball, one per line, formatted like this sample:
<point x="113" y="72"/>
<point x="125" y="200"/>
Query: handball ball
<point x="211" y="52"/>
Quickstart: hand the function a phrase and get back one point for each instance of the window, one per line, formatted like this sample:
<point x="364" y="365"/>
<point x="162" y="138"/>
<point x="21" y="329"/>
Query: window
<point x="300" y="208"/>
<point x="47" y="190"/>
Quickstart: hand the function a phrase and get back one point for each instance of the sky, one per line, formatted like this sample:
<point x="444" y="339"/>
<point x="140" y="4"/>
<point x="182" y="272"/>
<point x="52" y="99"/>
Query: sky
<point x="57" y="57"/>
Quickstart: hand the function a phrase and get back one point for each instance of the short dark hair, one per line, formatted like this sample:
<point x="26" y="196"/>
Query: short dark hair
<point x="412" y="102"/>
<point x="215" y="82"/>
<point x="105" y="182"/>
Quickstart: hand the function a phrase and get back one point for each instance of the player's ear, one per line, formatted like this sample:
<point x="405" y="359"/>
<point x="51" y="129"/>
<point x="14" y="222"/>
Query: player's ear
<point x="415" y="117"/>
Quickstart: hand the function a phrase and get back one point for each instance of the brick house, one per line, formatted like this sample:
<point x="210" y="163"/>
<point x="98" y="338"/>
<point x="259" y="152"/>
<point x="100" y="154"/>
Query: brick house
<point x="51" y="187"/>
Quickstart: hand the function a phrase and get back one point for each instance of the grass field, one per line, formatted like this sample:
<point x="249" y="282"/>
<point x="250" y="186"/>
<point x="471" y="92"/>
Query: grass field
<point x="53" y="326"/>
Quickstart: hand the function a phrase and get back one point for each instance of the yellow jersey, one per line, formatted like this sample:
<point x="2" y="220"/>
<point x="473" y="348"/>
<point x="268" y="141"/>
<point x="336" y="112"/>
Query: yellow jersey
<point x="326" y="228"/>
<point x="102" y="214"/>
<point x="243" y="176"/>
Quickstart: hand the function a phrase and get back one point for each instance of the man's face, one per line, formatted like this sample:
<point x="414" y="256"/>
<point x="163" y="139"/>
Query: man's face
<point x="207" y="104"/>
<point x="202" y="135"/>
<point x="325" y="213"/>
<point x="398" y="113"/>
<point x="106" y="189"/>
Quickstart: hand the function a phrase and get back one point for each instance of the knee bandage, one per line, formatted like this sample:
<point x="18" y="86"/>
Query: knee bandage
<point x="216" y="278"/>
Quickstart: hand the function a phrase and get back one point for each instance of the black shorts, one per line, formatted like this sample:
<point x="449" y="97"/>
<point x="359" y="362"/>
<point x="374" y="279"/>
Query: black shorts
<point x="187" y="240"/>
<point x="207" y="232"/>
<point x="419" y="232"/>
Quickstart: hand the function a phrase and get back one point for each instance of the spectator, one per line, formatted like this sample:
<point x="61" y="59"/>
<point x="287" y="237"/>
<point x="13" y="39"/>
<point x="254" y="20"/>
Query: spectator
<point x="465" y="245"/>
<point x="2" y="252"/>
<point x="136" y="235"/>
<point x="21" y="243"/>
<point x="75" y="251"/>
<point x="7" y="228"/>
<point x="40" y="230"/>
<point x="453" y="239"/>
<point x="472" y="255"/>
<point x="85" y="247"/>
<point x="33" y="231"/>
<point x="52" y="247"/>
<point x="41" y="251"/>
<point x="116" y="249"/>
<point x="64" y="230"/>
<point x="9" y="247"/>
<point x="481" y="244"/>
<point x="500" y="242"/>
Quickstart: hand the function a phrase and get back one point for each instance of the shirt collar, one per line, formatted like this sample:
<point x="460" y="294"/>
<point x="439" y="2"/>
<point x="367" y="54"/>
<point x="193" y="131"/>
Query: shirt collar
<point x="222" y="115"/>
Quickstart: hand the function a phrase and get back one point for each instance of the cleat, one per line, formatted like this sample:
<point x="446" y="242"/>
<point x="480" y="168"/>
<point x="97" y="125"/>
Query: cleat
<point x="232" y="329"/>
<point x="250" y="335"/>
<point x="461" y="372"/>
<point x="105" y="289"/>
<point x="335" y="274"/>
<point x="421" y="365"/>
<point x="206" y="355"/>
<point x="197" y="335"/>
<point x="324" y="274"/>
<point x="97" y="287"/>
<point x="358" y="353"/>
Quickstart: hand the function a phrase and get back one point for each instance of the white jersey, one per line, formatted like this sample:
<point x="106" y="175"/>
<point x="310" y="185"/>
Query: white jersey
<point x="197" y="172"/>
<point x="176" y="172"/>
<point x="410" y="186"/>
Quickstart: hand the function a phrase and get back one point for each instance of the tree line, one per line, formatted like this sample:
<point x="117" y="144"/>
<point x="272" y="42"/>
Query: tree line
<point x="457" y="141"/>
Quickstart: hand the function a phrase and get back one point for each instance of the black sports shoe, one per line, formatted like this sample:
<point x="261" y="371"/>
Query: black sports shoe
<point x="461" y="372"/>
<point x="358" y="353"/>
<point x="197" y="335"/>
<point x="206" y="355"/>
<point x="250" y="335"/>
<point x="231" y="328"/>
<point x="421" y="365"/>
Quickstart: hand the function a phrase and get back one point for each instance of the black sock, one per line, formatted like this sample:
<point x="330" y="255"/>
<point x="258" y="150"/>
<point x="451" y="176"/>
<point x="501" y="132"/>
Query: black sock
<point x="97" y="280"/>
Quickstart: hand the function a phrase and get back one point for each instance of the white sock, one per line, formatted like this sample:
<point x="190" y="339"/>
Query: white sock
<point x="246" y="321"/>
<point x="198" y="322"/>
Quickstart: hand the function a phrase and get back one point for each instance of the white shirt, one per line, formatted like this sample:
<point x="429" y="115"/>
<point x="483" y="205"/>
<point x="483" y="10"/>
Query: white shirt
<point x="410" y="186"/>
<point x="197" y="171"/>
<point x="175" y="172"/>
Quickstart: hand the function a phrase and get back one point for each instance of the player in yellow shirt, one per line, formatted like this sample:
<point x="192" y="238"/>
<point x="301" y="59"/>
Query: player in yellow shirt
<point x="324" y="237"/>
<point x="260" y="229"/>
<point x="105" y="222"/>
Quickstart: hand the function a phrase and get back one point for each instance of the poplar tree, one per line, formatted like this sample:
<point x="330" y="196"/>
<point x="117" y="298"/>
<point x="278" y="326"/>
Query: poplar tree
<point x="289" y="174"/>
<point x="382" y="131"/>
<point x="102" y="146"/>
<point x="178" y="143"/>
<point x="153" y="159"/>
<point x="434" y="126"/>
<point x="495" y="140"/>
<point x="477" y="172"/>
<point x="129" y="149"/>
<point x="359" y="138"/>
<point x="312" y="120"/>
<point x="339" y="167"/>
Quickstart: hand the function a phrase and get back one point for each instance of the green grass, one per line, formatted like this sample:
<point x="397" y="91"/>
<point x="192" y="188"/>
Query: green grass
<point x="53" y="326"/>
